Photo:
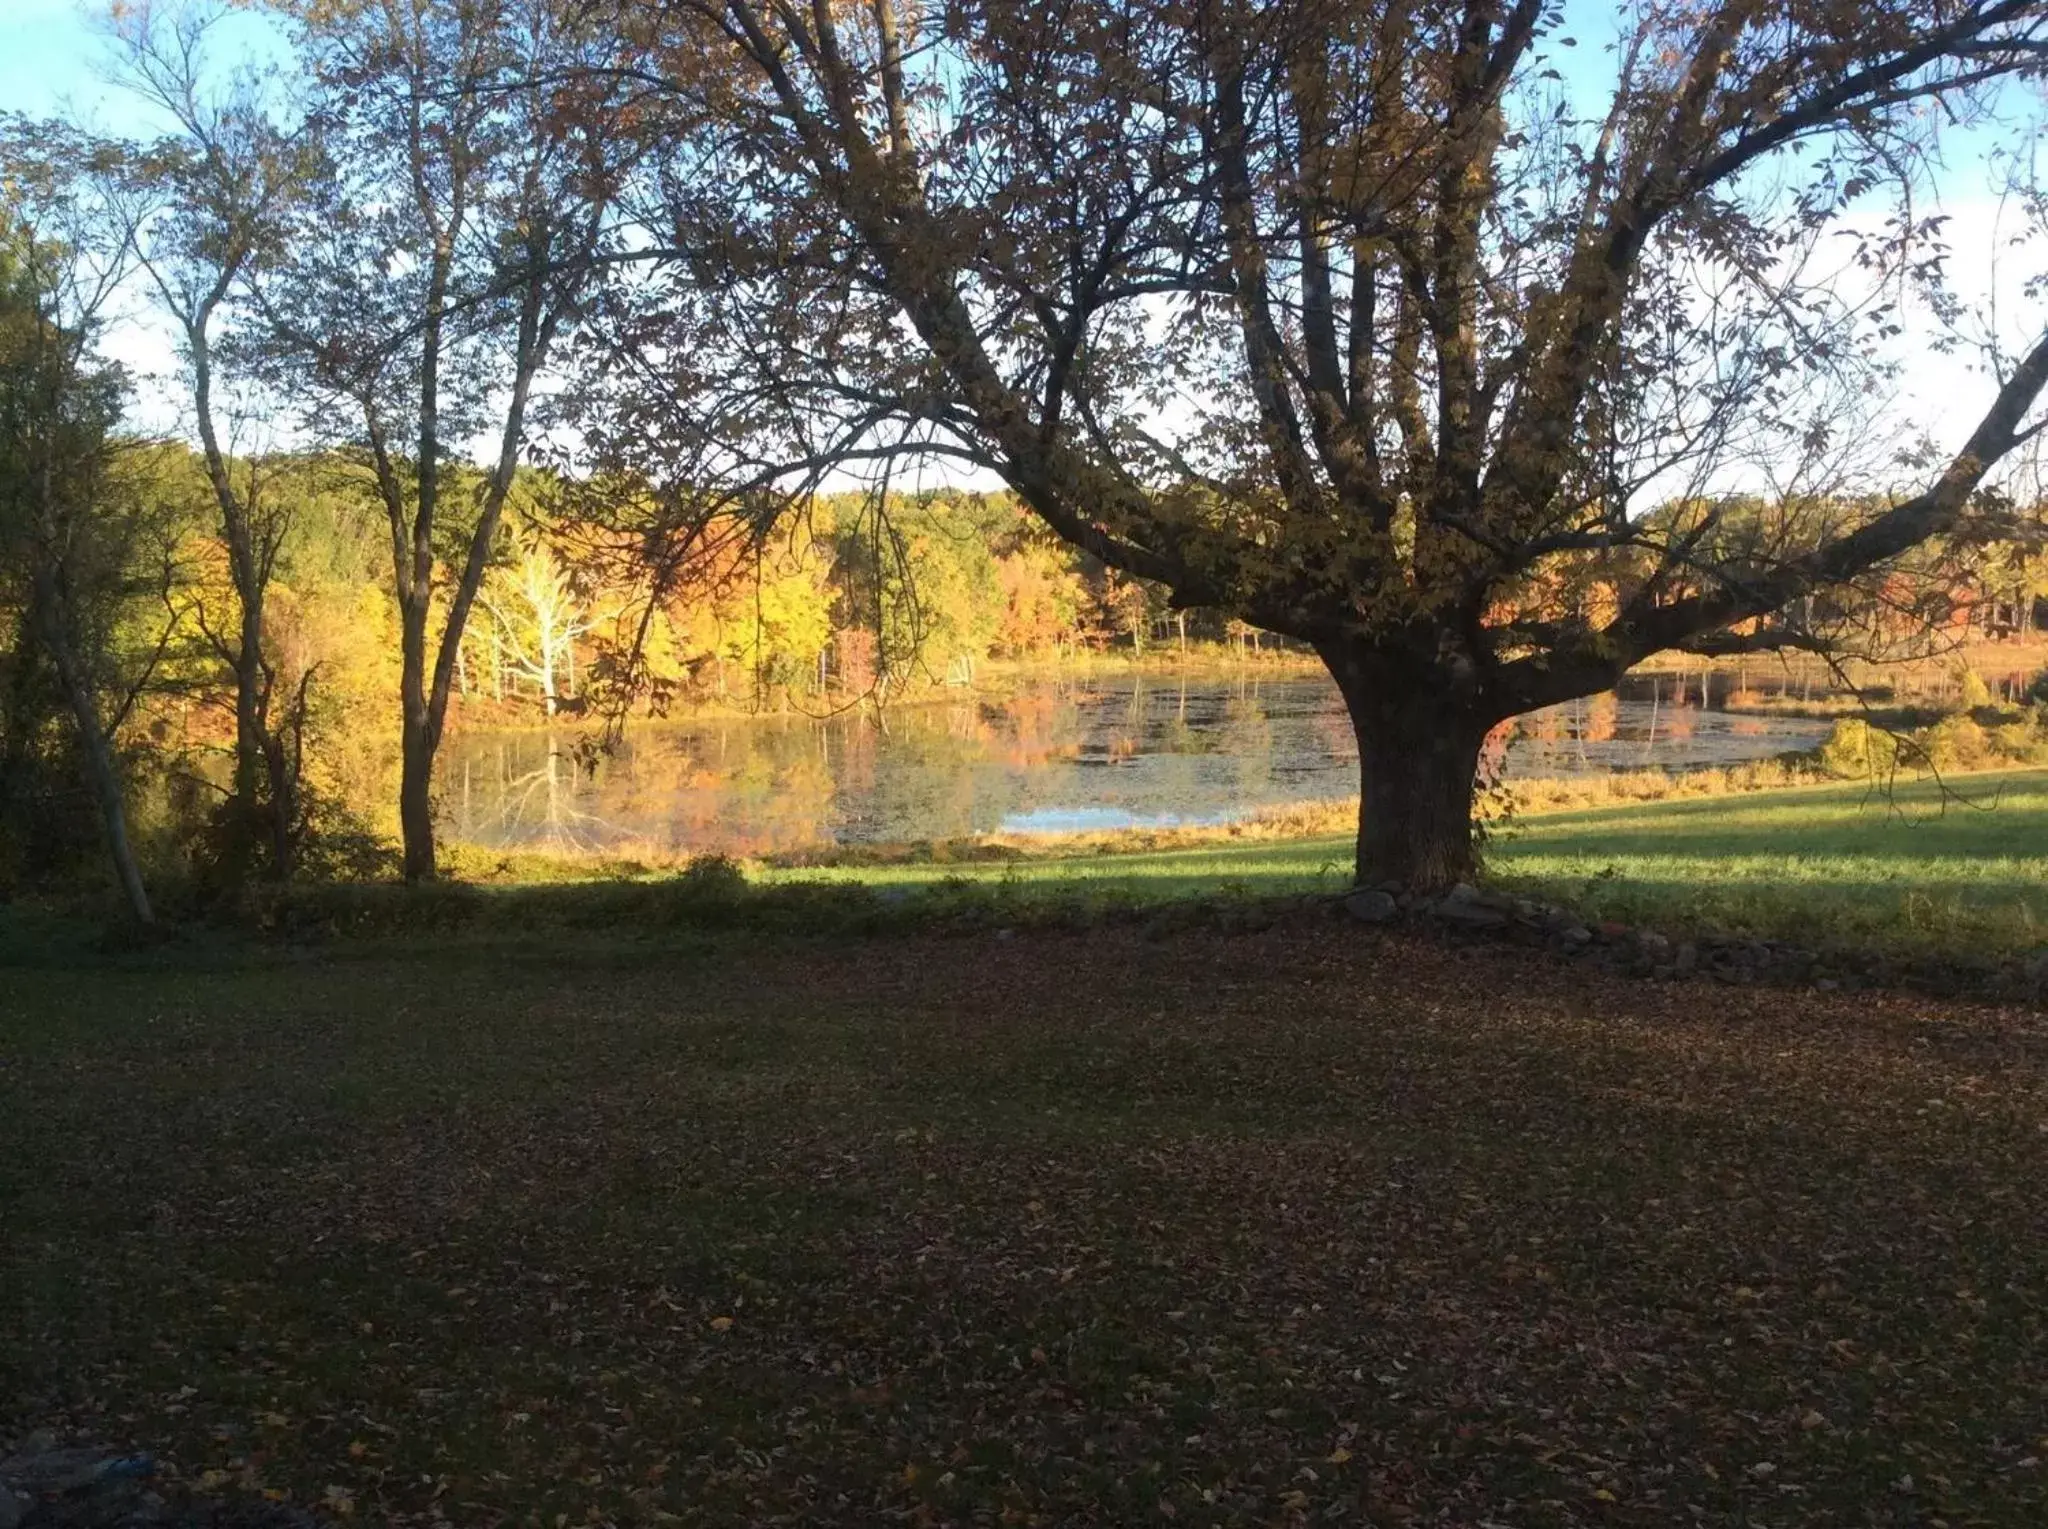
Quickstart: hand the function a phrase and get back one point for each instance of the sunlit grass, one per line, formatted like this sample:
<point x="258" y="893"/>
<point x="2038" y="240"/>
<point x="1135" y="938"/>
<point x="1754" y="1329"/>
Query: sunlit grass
<point x="1962" y="868"/>
<point x="1961" y="871"/>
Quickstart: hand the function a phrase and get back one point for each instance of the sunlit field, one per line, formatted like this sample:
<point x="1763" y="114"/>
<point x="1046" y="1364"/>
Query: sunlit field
<point x="1961" y="865"/>
<point x="1963" y="868"/>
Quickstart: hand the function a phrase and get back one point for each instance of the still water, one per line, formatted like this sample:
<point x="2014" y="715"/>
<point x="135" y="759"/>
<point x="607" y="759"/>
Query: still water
<point x="1050" y="757"/>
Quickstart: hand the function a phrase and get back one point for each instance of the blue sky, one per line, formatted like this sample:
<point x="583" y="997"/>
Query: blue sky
<point x="53" y="57"/>
<point x="43" y="47"/>
<point x="50" y="56"/>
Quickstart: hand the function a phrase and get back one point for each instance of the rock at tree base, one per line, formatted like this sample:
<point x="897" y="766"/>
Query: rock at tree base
<point x="1469" y="913"/>
<point x="1370" y="905"/>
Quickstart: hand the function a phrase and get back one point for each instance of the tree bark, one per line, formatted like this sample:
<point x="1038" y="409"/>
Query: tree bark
<point x="249" y="715"/>
<point x="246" y="805"/>
<point x="416" y="805"/>
<point x="1420" y="728"/>
<point x="418" y="736"/>
<point x="259" y="754"/>
<point x="283" y="770"/>
<point x="104" y="779"/>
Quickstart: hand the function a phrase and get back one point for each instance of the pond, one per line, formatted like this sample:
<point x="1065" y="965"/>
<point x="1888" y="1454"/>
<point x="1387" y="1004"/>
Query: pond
<point x="1049" y="757"/>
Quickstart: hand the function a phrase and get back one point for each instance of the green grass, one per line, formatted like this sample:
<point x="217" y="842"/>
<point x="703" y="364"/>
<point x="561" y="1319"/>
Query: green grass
<point x="1921" y="871"/>
<point x="1311" y="1225"/>
<point x="1962" y="870"/>
<point x="1918" y="868"/>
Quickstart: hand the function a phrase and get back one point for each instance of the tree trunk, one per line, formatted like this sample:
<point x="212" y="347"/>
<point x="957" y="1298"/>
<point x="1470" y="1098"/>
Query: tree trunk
<point x="416" y="752"/>
<point x="245" y="805"/>
<point x="284" y="802"/>
<point x="547" y="667"/>
<point x="1415" y="806"/>
<point x="257" y="750"/>
<point x="99" y="763"/>
<point x="416" y="801"/>
<point x="1419" y="734"/>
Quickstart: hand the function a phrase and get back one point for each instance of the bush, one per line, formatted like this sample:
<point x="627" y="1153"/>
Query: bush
<point x="2022" y="742"/>
<point x="1854" y="750"/>
<point x="713" y="879"/>
<point x="1954" y="743"/>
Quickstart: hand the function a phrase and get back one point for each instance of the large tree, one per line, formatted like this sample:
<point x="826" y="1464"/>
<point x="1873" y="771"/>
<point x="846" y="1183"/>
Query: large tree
<point x="70" y="522"/>
<point x="206" y="208"/>
<point x="1373" y="323"/>
<point x="470" y="149"/>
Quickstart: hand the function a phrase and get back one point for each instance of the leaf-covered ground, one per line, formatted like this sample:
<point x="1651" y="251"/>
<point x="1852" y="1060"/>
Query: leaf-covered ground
<point x="1302" y="1226"/>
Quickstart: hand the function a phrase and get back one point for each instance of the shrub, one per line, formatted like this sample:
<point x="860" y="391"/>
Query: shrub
<point x="2025" y="737"/>
<point x="713" y="878"/>
<point x="1854" y="750"/>
<point x="1954" y="743"/>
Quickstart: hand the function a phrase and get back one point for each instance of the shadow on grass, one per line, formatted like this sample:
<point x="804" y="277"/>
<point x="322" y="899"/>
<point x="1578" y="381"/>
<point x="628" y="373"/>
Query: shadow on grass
<point x="569" y="922"/>
<point x="1817" y="866"/>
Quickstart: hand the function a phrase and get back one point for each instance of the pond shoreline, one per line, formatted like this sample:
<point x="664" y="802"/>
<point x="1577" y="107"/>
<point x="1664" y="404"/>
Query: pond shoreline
<point x="1286" y="823"/>
<point x="1104" y="753"/>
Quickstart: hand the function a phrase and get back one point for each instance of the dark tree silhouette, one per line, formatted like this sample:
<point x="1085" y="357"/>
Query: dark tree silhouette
<point x="1349" y="318"/>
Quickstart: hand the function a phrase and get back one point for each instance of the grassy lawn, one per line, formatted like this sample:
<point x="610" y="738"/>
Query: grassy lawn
<point x="1307" y="1225"/>
<point x="1918" y="868"/>
<point x="1924" y="869"/>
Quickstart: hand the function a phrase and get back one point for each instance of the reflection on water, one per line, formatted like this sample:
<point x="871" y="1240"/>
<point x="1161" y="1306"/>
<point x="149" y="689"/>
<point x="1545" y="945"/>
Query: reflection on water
<point x="1054" y="757"/>
<point x="1661" y="722"/>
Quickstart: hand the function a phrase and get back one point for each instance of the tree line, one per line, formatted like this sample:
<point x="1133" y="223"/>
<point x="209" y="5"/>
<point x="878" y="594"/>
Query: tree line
<point x="1394" y="328"/>
<point x="811" y="618"/>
